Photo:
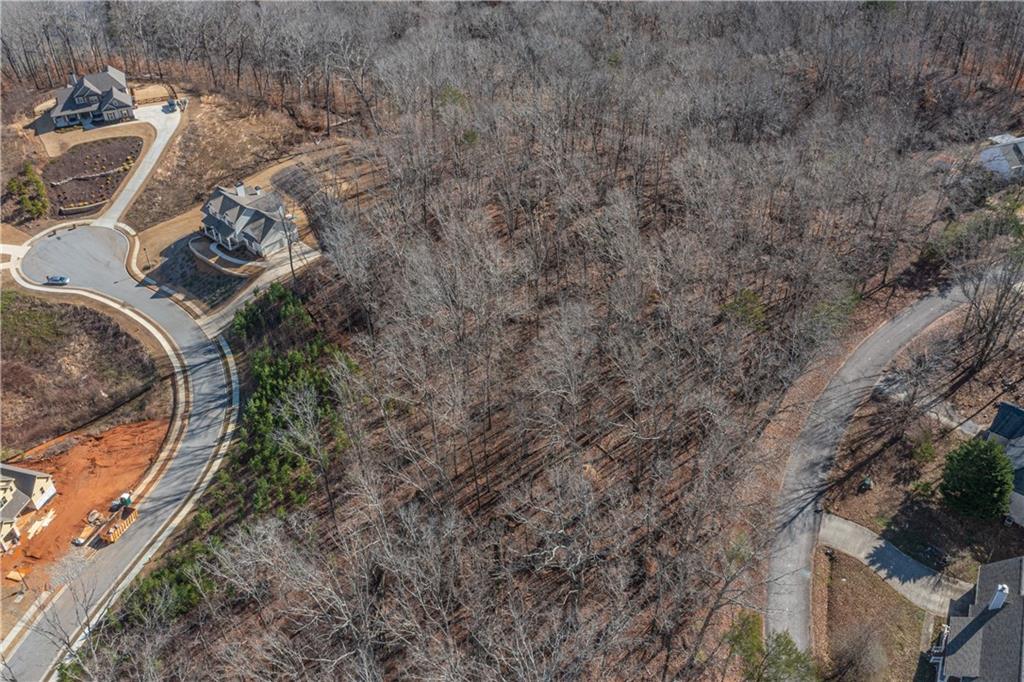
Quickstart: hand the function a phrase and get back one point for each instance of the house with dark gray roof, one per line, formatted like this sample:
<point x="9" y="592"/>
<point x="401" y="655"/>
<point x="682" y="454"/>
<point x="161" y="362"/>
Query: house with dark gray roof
<point x="1005" y="157"/>
<point x="20" y="490"/>
<point x="247" y="217"/>
<point x="1007" y="429"/>
<point x="94" y="98"/>
<point x="987" y="645"/>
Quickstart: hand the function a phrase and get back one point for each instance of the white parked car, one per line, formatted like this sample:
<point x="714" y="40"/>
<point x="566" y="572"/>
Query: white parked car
<point x="58" y="280"/>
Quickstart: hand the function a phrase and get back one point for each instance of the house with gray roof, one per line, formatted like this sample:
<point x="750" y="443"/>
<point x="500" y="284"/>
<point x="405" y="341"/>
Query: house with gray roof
<point x="247" y="217"/>
<point x="94" y="98"/>
<point x="21" y="490"/>
<point x="1007" y="429"/>
<point x="1005" y="157"/>
<point x="987" y="645"/>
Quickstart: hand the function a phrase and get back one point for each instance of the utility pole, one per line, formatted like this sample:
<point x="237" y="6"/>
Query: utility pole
<point x="291" y="233"/>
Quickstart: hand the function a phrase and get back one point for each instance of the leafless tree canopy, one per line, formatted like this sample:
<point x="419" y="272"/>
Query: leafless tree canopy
<point x="598" y="243"/>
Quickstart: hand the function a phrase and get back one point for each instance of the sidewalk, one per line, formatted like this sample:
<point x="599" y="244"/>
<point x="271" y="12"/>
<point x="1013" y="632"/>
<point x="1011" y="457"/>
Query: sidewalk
<point x="922" y="586"/>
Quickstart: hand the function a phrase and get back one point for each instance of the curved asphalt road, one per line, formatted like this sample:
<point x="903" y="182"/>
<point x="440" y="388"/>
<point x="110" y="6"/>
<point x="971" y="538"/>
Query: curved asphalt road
<point x="810" y="460"/>
<point x="93" y="257"/>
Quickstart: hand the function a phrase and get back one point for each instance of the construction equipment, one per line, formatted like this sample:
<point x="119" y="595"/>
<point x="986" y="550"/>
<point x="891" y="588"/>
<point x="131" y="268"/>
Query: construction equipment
<point x="93" y="521"/>
<point x="118" y="523"/>
<point x="125" y="500"/>
<point x="85" y="536"/>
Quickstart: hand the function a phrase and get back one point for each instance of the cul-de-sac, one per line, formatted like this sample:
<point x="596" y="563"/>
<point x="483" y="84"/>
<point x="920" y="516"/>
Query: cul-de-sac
<point x="476" y="341"/>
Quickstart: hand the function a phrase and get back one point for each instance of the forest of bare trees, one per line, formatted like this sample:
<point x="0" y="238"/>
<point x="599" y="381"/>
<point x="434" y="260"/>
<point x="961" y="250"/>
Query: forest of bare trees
<point x="601" y="243"/>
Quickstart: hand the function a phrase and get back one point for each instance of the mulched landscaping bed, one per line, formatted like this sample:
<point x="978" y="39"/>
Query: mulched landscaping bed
<point x="90" y="158"/>
<point x="182" y="272"/>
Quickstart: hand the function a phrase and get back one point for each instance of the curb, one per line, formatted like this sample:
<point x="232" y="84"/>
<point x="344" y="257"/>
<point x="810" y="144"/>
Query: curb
<point x="126" y="577"/>
<point x="180" y="418"/>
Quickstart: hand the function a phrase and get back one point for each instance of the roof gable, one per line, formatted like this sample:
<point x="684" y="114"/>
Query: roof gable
<point x="252" y="215"/>
<point x="989" y="644"/>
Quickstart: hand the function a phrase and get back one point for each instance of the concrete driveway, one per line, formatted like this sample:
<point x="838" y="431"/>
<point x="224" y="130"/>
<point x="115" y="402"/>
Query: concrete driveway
<point x="919" y="584"/>
<point x="165" y="124"/>
<point x="93" y="257"/>
<point x="812" y="455"/>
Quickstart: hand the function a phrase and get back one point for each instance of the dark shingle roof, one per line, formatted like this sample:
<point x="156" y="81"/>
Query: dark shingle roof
<point x="110" y="84"/>
<point x="1009" y="421"/>
<point x="252" y="215"/>
<point x="989" y="645"/>
<point x="14" y="506"/>
<point x="24" y="479"/>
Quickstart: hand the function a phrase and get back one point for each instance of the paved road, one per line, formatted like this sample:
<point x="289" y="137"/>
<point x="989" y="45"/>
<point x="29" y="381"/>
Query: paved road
<point x="165" y="124"/>
<point x="810" y="460"/>
<point x="919" y="584"/>
<point x="93" y="257"/>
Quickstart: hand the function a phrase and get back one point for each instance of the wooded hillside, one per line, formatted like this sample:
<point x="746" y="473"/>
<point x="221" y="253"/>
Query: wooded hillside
<point x="516" y="436"/>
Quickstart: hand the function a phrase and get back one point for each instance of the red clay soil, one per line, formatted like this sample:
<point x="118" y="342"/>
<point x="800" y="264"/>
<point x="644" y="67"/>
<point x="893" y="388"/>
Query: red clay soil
<point x="88" y="476"/>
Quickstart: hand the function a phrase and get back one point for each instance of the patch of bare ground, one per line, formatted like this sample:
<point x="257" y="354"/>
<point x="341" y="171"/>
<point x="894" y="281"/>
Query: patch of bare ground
<point x="904" y="463"/>
<point x="66" y="366"/>
<point x="222" y="141"/>
<point x="864" y="630"/>
<point x="89" y="471"/>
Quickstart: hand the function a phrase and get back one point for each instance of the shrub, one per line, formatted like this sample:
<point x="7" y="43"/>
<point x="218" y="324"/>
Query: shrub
<point x="924" y="450"/>
<point x="978" y="480"/>
<point x="203" y="519"/>
<point x="747" y="307"/>
<point x="30" y="192"/>
<point x="776" y="659"/>
<point x="922" y="489"/>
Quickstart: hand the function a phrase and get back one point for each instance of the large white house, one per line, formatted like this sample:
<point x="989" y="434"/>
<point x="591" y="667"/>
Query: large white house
<point x="247" y="217"/>
<point x="94" y="98"/>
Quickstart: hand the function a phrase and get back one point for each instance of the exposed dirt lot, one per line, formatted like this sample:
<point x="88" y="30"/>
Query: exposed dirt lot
<point x="89" y="471"/>
<point x="866" y="630"/>
<point x="150" y="92"/>
<point x="68" y="180"/>
<point x="221" y="142"/>
<point x="65" y="365"/>
<point x="904" y="506"/>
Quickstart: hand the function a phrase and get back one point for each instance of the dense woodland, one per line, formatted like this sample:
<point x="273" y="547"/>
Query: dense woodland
<point x="522" y="405"/>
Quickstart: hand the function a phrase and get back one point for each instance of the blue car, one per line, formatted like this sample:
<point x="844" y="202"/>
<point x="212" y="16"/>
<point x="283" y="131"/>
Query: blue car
<point x="58" y="280"/>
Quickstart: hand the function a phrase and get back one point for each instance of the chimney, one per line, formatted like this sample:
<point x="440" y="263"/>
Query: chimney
<point x="999" y="598"/>
<point x="240" y="189"/>
<point x="259" y="190"/>
<point x="72" y="78"/>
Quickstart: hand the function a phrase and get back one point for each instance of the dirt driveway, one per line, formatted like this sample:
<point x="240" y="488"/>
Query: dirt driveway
<point x="56" y="143"/>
